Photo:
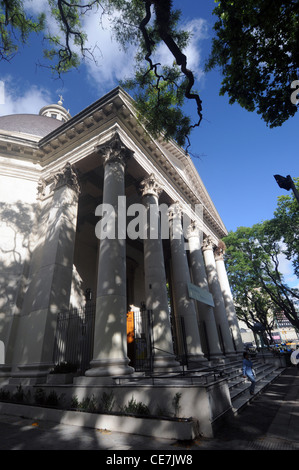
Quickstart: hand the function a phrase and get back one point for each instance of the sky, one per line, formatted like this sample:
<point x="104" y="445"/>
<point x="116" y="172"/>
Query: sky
<point x="236" y="153"/>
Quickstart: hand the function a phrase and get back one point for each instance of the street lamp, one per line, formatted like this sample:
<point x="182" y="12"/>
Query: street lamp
<point x="287" y="183"/>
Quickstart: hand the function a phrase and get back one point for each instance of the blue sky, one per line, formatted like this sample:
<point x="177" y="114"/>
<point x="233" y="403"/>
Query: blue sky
<point x="239" y="154"/>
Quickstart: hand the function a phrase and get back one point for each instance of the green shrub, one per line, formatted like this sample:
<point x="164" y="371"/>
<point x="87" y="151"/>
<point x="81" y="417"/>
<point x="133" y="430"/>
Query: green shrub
<point x="39" y="396"/>
<point x="136" y="408"/>
<point x="52" y="399"/>
<point x="88" y="404"/>
<point x="4" y="394"/>
<point x="19" y="395"/>
<point x="107" y="402"/>
<point x="75" y="402"/>
<point x="176" y="403"/>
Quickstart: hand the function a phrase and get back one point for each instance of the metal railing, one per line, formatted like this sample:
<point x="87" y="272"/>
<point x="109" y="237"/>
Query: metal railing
<point x="74" y="336"/>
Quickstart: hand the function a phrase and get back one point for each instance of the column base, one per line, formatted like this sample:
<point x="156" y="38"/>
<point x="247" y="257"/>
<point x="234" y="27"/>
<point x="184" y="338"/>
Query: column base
<point x="34" y="373"/>
<point x="216" y="359"/>
<point x="166" y="364"/>
<point x="195" y="361"/>
<point x="5" y="370"/>
<point x="231" y="355"/>
<point x="109" y="368"/>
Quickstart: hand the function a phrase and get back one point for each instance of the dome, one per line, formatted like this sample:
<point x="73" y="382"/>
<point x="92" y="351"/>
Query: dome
<point x="39" y="125"/>
<point x="31" y="124"/>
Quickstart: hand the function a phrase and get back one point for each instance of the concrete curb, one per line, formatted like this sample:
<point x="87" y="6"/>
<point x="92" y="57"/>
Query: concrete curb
<point x="142" y="426"/>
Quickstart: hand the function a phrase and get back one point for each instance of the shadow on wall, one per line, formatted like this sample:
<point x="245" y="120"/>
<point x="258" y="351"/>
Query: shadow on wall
<point x="16" y="224"/>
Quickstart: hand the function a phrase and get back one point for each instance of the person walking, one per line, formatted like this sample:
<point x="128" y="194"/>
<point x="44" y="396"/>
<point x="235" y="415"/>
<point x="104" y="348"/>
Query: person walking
<point x="248" y="371"/>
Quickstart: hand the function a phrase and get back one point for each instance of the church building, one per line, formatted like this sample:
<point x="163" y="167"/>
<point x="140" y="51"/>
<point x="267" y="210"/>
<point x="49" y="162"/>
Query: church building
<point x="110" y="249"/>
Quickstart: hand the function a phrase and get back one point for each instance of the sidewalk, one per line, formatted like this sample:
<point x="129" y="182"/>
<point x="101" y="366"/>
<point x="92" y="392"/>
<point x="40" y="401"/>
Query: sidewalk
<point x="269" y="422"/>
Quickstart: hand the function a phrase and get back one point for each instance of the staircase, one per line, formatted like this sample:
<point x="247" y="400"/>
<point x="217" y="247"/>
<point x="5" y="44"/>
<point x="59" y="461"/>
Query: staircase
<point x="239" y="386"/>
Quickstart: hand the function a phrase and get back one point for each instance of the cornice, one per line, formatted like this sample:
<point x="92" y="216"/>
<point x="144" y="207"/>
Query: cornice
<point x="16" y="146"/>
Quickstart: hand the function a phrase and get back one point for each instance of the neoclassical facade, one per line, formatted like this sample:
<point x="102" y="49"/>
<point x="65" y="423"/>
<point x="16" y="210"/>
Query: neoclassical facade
<point x="97" y="215"/>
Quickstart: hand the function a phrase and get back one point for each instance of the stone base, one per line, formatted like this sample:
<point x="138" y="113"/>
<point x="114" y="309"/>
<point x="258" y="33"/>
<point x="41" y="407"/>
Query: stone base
<point x="166" y="364"/>
<point x="33" y="370"/>
<point x="109" y="368"/>
<point x="96" y="381"/>
<point x="216" y="360"/>
<point x="5" y="370"/>
<point x="26" y="381"/>
<point x="197" y="361"/>
<point x="60" y="379"/>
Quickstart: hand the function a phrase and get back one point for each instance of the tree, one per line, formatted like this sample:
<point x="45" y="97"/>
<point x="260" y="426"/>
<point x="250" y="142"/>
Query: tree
<point x="252" y="263"/>
<point x="257" y="49"/>
<point x="286" y="227"/>
<point x="254" y="307"/>
<point x="15" y="27"/>
<point x="145" y="23"/>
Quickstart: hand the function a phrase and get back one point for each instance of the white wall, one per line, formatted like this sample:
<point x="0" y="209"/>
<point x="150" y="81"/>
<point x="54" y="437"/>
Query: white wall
<point x="17" y="213"/>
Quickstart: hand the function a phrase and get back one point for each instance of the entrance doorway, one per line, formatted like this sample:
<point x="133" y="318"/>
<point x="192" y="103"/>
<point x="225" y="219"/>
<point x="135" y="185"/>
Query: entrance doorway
<point x="139" y="339"/>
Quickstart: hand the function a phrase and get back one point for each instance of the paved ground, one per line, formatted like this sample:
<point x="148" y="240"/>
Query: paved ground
<point x="269" y="422"/>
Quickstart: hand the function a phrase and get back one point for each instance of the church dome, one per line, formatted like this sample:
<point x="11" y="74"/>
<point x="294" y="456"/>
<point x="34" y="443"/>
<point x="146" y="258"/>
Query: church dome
<point x="49" y="118"/>
<point x="31" y="124"/>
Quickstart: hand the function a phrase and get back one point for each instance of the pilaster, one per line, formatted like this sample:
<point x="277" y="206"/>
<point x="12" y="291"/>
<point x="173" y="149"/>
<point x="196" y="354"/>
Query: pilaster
<point x="50" y="278"/>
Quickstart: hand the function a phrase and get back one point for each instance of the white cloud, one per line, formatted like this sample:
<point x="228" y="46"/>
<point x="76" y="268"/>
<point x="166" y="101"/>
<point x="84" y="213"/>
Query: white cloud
<point x="36" y="7"/>
<point x="286" y="269"/>
<point x="110" y="62"/>
<point x="28" y="102"/>
<point x="198" y="29"/>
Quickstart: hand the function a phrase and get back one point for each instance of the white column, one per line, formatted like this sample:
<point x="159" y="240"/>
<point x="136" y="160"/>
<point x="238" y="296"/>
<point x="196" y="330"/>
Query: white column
<point x="219" y="308"/>
<point x="110" y="337"/>
<point x="228" y="298"/>
<point x="184" y="306"/>
<point x="155" y="279"/>
<point x="199" y="277"/>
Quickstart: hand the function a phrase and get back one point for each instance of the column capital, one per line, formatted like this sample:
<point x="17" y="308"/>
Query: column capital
<point x="67" y="177"/>
<point x="193" y="230"/>
<point x="114" y="150"/>
<point x="220" y="251"/>
<point x="208" y="243"/>
<point x="175" y="211"/>
<point x="150" y="186"/>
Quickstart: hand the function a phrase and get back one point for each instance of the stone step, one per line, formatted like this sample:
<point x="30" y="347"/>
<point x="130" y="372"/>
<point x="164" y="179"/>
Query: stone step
<point x="265" y="373"/>
<point x="239" y="391"/>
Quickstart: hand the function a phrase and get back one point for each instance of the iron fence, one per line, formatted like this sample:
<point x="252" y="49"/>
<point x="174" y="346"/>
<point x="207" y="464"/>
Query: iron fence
<point x="74" y="336"/>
